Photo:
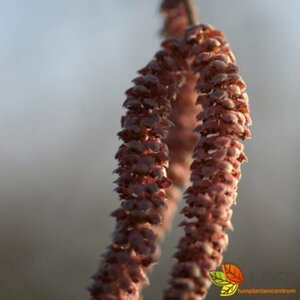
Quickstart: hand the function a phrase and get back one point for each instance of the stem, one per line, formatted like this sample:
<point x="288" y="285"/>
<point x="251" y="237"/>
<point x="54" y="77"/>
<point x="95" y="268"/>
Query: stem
<point x="191" y="11"/>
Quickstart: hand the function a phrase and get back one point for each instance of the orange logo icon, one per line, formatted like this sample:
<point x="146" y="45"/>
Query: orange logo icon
<point x="229" y="279"/>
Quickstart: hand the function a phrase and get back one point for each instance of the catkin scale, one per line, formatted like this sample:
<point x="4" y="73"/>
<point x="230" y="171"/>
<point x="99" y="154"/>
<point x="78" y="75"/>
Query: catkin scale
<point x="216" y="169"/>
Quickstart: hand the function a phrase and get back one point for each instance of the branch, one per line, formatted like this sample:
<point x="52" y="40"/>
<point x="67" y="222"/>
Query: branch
<point x="191" y="11"/>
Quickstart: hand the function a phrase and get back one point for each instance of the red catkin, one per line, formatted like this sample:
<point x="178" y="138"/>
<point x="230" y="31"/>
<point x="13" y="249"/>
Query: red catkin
<point x="180" y="141"/>
<point x="142" y="183"/>
<point x="216" y="169"/>
<point x="181" y="137"/>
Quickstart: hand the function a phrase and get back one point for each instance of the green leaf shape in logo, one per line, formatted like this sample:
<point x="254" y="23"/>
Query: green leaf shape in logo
<point x="229" y="289"/>
<point x="219" y="278"/>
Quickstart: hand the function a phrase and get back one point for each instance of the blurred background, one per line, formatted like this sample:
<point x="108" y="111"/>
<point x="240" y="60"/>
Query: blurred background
<point x="64" y="67"/>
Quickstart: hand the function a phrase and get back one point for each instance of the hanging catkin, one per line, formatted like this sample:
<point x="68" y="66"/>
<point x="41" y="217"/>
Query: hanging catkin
<point x="216" y="169"/>
<point x="180" y="141"/>
<point x="181" y="137"/>
<point x="142" y="183"/>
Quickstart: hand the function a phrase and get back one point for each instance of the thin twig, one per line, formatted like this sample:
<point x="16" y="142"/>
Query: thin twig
<point x="192" y="13"/>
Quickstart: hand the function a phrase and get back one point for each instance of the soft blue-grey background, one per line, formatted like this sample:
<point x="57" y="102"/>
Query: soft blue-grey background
<point x="64" y="66"/>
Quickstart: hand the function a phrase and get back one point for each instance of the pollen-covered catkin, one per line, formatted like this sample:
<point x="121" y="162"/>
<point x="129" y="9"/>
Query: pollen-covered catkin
<point x="142" y="182"/>
<point x="216" y="169"/>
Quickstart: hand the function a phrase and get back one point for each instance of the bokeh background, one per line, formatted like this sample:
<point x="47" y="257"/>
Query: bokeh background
<point x="64" y="67"/>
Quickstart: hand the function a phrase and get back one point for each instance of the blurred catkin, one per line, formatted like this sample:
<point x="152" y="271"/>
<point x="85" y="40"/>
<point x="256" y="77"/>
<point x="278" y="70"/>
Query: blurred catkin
<point x="142" y="182"/>
<point x="181" y="137"/>
<point x="180" y="141"/>
<point x="216" y="169"/>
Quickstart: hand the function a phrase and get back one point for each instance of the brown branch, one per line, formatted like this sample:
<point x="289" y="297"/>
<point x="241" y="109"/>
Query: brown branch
<point x="191" y="11"/>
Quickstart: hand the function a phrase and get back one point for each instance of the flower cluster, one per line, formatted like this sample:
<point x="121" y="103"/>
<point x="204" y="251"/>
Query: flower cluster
<point x="216" y="169"/>
<point x="142" y="182"/>
<point x="181" y="138"/>
<point x="180" y="141"/>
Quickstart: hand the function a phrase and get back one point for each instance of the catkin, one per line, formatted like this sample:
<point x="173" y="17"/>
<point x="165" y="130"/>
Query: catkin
<point x="181" y="137"/>
<point x="142" y="183"/>
<point x="216" y="169"/>
<point x="180" y="141"/>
